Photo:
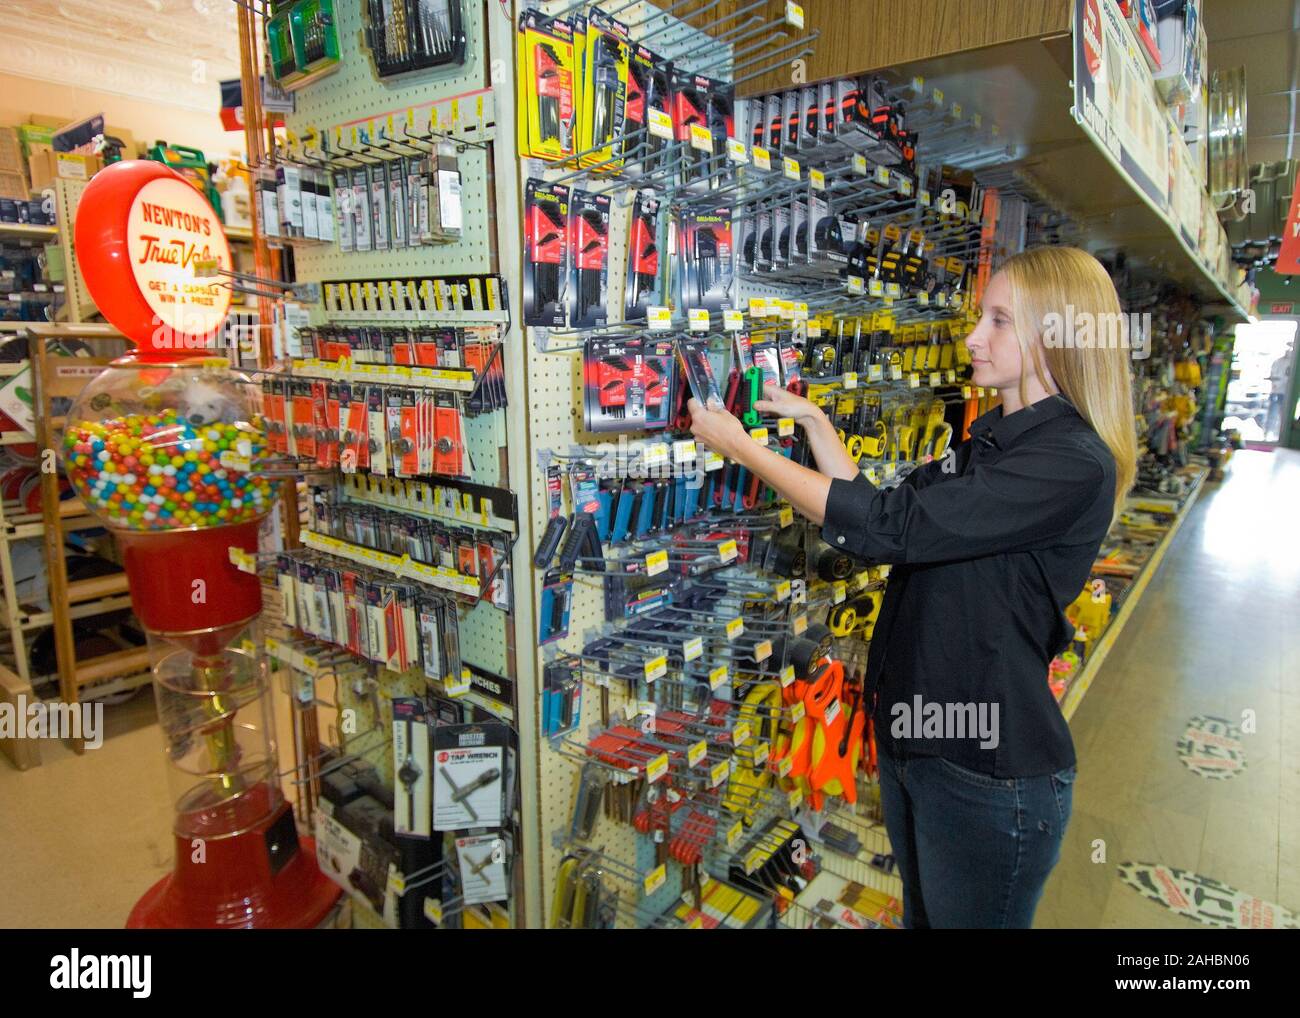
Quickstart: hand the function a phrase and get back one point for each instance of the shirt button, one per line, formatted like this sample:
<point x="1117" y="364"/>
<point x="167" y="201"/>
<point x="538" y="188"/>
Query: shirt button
<point x="840" y="539"/>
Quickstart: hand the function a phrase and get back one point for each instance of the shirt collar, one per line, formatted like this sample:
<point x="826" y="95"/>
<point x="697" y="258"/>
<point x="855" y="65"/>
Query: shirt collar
<point x="1005" y="429"/>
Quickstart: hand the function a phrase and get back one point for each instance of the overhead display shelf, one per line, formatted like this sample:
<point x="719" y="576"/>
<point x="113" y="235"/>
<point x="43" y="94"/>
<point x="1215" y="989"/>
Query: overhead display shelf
<point x="1026" y="89"/>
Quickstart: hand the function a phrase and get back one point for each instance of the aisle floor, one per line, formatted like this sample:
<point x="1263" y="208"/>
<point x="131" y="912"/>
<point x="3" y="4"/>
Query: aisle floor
<point x="1216" y="633"/>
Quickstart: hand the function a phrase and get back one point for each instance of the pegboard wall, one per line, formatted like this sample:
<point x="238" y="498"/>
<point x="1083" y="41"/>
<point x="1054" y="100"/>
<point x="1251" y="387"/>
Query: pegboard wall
<point x="352" y="117"/>
<point x="554" y="380"/>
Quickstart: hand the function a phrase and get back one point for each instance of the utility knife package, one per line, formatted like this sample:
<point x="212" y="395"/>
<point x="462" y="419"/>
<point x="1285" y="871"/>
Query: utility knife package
<point x="588" y="244"/>
<point x="546" y="228"/>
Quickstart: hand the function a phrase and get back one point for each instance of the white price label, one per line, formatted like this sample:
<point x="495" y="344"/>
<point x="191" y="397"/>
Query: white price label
<point x="914" y="380"/>
<point x="761" y="753"/>
<point x="719" y="773"/>
<point x="656" y="768"/>
<point x="936" y="378"/>
<point x="693" y="648"/>
<point x="727" y="551"/>
<point x="762" y="158"/>
<point x="656" y="562"/>
<point x="856" y="284"/>
<point x="790" y="168"/>
<point x="660" y="319"/>
<point x="713" y="461"/>
<point x="734" y="628"/>
<point x="683" y="450"/>
<point x="875" y="373"/>
<point x="875" y="287"/>
<point x="699" y="319"/>
<point x="850" y="379"/>
<point x="718" y="677"/>
<point x="736" y="151"/>
<point x="660" y="124"/>
<point x="818" y="180"/>
<point x="882" y="175"/>
<point x="733" y="321"/>
<point x="793" y="14"/>
<point x="860" y="165"/>
<point x="701" y="139"/>
<point x="656" y="668"/>
<point x="697" y="753"/>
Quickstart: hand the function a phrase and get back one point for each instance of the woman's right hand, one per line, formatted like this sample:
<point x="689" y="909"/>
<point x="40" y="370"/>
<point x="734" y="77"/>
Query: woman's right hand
<point x="784" y="403"/>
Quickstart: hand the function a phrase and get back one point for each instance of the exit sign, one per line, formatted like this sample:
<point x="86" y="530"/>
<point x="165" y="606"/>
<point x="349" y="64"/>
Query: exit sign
<point x="1281" y="307"/>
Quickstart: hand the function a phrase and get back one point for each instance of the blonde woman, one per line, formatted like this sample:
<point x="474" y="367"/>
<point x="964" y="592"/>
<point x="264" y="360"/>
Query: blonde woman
<point x="987" y="546"/>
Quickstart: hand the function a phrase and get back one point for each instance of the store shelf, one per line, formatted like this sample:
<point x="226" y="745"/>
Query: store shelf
<point x="1025" y="89"/>
<point x="27" y="230"/>
<point x="239" y="234"/>
<point x="117" y="664"/>
<point x="1079" y="685"/>
<point x="96" y="587"/>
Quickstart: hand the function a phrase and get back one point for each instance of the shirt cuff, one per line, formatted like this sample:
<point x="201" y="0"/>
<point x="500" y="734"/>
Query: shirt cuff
<point x="847" y="504"/>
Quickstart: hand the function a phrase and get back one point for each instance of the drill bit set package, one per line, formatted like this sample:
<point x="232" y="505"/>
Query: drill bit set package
<point x="414" y="35"/>
<point x="302" y="42"/>
<point x="548" y="79"/>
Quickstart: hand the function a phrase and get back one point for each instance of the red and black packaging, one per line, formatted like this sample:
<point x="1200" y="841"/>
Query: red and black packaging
<point x="643" y="288"/>
<point x="627" y="384"/>
<point x="693" y="357"/>
<point x="546" y="214"/>
<point x="705" y="243"/>
<point x="589" y="258"/>
<point x="691" y="109"/>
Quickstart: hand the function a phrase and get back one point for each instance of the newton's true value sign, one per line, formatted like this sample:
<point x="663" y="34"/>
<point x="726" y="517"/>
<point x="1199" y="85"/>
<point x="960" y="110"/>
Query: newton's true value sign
<point x="142" y="234"/>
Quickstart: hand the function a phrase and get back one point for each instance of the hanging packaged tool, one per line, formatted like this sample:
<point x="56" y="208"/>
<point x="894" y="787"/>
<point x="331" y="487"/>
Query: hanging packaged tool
<point x="693" y="356"/>
<point x="704" y="239"/>
<point x="302" y="42"/>
<point x="690" y="111"/>
<point x="627" y="384"/>
<point x="547" y="87"/>
<point x="604" y="90"/>
<point x="444" y="215"/>
<point x="412" y="35"/>
<point x="588" y="244"/>
<point x="546" y="215"/>
<point x="642" y="289"/>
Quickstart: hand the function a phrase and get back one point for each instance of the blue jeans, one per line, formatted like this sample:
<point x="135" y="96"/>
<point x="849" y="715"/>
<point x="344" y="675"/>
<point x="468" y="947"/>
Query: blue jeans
<point x="973" y="851"/>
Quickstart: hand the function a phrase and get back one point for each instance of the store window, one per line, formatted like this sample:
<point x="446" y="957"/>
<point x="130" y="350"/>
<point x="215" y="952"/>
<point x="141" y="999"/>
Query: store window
<point x="1263" y="361"/>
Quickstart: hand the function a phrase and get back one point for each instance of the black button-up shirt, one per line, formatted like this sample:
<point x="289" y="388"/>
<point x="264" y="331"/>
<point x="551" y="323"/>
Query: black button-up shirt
<point x="987" y="548"/>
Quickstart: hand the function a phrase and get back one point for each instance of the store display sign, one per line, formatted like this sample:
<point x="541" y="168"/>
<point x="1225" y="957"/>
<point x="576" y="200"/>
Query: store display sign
<point x="1205" y="899"/>
<point x="171" y="230"/>
<point x="1115" y="98"/>
<point x="152" y="252"/>
<point x="1288" y="256"/>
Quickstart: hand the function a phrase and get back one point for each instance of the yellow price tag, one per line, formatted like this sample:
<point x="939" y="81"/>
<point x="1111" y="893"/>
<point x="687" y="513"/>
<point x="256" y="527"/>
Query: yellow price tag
<point x="655" y="879"/>
<point x="785" y="516"/>
<point x="692" y="649"/>
<point x="734" y="628"/>
<point x="790" y="168"/>
<point x="696" y="753"/>
<point x="762" y="650"/>
<point x="656" y="768"/>
<point x="817" y="179"/>
<point x="759" y="435"/>
<point x="718" y="677"/>
<point x="718" y="773"/>
<point x="656" y="562"/>
<point x="785" y="427"/>
<point x="787" y="675"/>
<point x="762" y="158"/>
<point x="656" y="668"/>
<point x="698" y="319"/>
<point x="740" y="734"/>
<point x="727" y="551"/>
<point x="660" y="319"/>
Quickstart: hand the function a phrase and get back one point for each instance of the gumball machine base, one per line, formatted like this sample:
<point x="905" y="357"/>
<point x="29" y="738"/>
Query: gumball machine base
<point x="263" y="878"/>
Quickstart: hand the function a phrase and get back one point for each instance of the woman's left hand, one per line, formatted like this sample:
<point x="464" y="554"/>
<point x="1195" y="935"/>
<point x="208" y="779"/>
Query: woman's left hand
<point x="717" y="429"/>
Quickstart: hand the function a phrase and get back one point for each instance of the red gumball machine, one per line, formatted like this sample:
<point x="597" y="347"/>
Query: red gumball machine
<point x="161" y="447"/>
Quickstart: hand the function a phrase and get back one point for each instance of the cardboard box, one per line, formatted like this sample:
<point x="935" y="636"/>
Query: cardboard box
<point x="13" y="185"/>
<point x="46" y="166"/>
<point x="11" y="155"/>
<point x="30" y="136"/>
<point x="41" y="120"/>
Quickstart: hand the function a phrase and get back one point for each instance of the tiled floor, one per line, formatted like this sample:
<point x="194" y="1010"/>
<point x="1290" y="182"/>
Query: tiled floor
<point x="1217" y="633"/>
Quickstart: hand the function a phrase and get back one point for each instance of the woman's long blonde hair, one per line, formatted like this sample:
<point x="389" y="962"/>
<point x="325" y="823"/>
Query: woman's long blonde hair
<point x="1052" y="286"/>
